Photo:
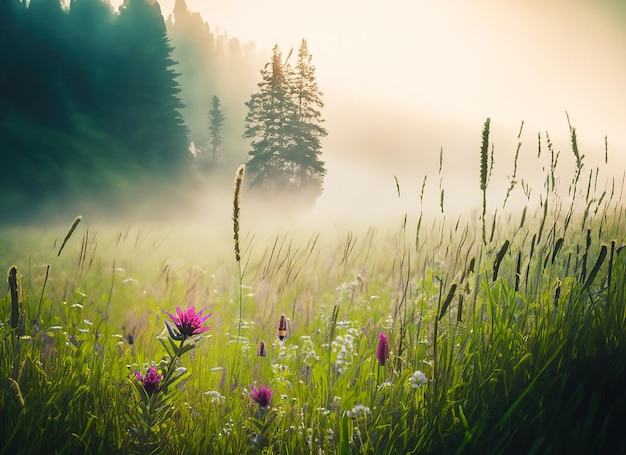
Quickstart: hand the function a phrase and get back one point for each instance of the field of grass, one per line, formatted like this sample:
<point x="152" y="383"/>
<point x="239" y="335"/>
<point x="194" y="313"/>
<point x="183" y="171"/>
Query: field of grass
<point x="489" y="333"/>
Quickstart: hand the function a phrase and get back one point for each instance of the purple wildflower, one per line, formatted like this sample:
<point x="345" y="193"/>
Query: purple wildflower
<point x="382" y="351"/>
<point x="187" y="322"/>
<point x="151" y="381"/>
<point x="262" y="395"/>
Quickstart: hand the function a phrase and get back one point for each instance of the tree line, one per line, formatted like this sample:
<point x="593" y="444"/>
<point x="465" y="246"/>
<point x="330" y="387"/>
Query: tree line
<point x="88" y="104"/>
<point x="96" y="102"/>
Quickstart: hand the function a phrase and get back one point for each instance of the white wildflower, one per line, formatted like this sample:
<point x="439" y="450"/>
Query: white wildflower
<point x="417" y="379"/>
<point x="215" y="396"/>
<point x="359" y="412"/>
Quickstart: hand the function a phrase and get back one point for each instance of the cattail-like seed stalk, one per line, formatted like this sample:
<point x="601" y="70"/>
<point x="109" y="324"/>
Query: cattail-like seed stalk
<point x="484" y="165"/>
<point x="236" y="210"/>
<point x="261" y="350"/>
<point x="236" y="222"/>
<point x="15" y="304"/>
<point x="283" y="328"/>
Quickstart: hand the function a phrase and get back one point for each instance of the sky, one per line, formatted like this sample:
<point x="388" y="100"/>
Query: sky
<point x="446" y="66"/>
<point x="511" y="60"/>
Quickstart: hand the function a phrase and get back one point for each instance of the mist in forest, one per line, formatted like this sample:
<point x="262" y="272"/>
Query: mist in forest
<point x="407" y="88"/>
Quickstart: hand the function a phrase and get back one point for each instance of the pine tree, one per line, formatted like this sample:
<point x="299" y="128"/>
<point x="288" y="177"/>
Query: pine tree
<point x="90" y="32"/>
<point x="216" y="123"/>
<point x="271" y="110"/>
<point x="146" y="86"/>
<point x="308" y="129"/>
<point x="284" y="123"/>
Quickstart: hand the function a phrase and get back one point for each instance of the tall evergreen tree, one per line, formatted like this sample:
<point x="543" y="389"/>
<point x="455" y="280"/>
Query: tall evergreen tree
<point x="271" y="110"/>
<point x="216" y="123"/>
<point x="284" y="124"/>
<point x="308" y="129"/>
<point x="43" y="90"/>
<point x="147" y="88"/>
<point x="91" y="24"/>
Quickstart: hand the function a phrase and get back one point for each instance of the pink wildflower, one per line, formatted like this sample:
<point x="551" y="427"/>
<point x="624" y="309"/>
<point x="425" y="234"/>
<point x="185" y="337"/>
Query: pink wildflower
<point x="187" y="322"/>
<point x="382" y="351"/>
<point x="262" y="395"/>
<point x="151" y="381"/>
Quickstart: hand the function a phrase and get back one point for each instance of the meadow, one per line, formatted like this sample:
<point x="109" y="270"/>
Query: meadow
<point x="491" y="332"/>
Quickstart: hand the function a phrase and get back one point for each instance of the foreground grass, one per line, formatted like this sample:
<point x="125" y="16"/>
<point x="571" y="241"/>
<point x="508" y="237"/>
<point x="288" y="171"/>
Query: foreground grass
<point x="502" y="340"/>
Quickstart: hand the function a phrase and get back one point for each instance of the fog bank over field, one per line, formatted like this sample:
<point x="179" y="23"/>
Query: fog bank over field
<point x="368" y="149"/>
<point x="407" y="88"/>
<point x="403" y="81"/>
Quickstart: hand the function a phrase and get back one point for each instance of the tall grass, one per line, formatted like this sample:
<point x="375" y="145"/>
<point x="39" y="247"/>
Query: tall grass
<point x="507" y="340"/>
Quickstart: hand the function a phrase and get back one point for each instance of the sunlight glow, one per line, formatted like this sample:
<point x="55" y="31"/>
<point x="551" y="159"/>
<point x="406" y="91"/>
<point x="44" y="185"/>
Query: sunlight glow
<point x="512" y="61"/>
<point x="431" y="64"/>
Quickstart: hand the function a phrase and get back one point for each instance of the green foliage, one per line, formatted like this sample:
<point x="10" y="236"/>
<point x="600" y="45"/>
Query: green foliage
<point x="216" y="123"/>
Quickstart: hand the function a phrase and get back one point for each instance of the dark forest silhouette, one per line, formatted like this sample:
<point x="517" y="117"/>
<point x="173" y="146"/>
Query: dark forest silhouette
<point x="94" y="103"/>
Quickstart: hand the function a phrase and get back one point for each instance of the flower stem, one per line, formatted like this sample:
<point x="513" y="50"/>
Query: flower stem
<point x="167" y="378"/>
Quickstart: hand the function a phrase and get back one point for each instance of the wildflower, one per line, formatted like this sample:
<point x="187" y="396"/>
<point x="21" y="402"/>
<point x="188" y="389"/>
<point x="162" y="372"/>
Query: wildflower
<point x="283" y="328"/>
<point x="187" y="322"/>
<point x="261" y="350"/>
<point x="345" y="346"/>
<point x="215" y="396"/>
<point x="417" y="379"/>
<point x="262" y="395"/>
<point x="359" y="412"/>
<point x="382" y="351"/>
<point x="151" y="381"/>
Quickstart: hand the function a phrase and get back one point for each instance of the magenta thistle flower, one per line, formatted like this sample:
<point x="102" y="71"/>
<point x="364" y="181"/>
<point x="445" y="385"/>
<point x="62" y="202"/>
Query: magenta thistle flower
<point x="151" y="381"/>
<point x="188" y="323"/>
<point x="262" y="395"/>
<point x="382" y="351"/>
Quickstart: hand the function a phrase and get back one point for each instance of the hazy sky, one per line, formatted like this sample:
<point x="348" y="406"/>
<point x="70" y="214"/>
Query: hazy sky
<point x="454" y="62"/>
<point x="512" y="60"/>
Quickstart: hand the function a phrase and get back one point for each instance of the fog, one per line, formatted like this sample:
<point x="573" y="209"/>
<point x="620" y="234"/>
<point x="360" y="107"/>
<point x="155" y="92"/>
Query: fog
<point x="408" y="82"/>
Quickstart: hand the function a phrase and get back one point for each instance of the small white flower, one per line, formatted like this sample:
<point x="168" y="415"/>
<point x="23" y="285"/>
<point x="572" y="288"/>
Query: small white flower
<point x="180" y="371"/>
<point x="359" y="412"/>
<point x="215" y="396"/>
<point x="417" y="379"/>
